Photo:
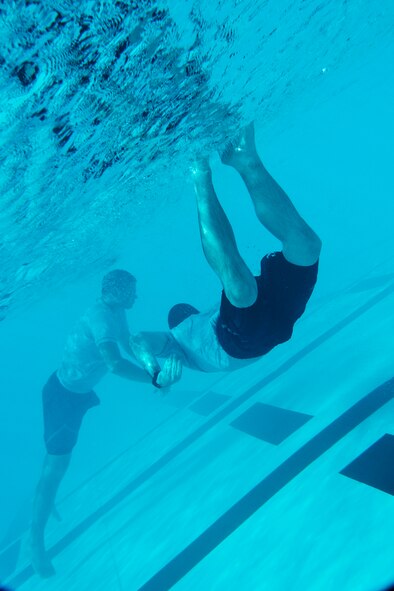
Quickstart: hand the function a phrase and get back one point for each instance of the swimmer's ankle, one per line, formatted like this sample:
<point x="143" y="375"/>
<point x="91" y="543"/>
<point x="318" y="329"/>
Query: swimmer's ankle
<point x="40" y="560"/>
<point x="200" y="168"/>
<point x="241" y="151"/>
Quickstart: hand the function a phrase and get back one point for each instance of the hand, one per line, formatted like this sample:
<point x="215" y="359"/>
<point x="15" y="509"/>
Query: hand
<point x="171" y="372"/>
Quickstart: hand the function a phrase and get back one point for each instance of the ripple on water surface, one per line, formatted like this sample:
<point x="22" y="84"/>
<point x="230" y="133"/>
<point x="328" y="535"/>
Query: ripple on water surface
<point x="108" y="101"/>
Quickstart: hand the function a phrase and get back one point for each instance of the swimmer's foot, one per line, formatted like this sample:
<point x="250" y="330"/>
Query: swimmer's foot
<point x="40" y="560"/>
<point x="241" y="151"/>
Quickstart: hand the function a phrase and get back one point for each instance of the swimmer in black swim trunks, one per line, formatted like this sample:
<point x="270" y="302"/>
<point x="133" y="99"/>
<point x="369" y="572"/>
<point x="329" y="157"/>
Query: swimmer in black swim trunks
<point x="255" y="313"/>
<point x="92" y="350"/>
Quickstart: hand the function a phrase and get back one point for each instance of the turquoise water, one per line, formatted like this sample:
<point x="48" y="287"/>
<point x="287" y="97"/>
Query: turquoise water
<point x="96" y="147"/>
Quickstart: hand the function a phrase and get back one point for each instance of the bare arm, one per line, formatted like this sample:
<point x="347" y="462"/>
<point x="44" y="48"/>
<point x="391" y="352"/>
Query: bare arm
<point x="147" y="346"/>
<point x="121" y="366"/>
<point x="157" y="342"/>
<point x="169" y="374"/>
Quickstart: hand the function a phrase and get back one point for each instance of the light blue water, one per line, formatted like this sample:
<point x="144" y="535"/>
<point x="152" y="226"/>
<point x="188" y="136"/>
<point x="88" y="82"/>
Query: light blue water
<point x="102" y="176"/>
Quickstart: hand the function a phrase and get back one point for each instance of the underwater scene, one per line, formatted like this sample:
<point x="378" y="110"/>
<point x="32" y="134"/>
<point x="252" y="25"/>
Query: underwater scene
<point x="196" y="295"/>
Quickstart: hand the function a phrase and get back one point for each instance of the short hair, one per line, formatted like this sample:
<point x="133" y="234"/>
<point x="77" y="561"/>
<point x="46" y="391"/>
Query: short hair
<point x="179" y="313"/>
<point x="117" y="281"/>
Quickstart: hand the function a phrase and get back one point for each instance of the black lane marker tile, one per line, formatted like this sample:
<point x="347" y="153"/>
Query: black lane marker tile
<point x="27" y="572"/>
<point x="208" y="403"/>
<point x="223" y="527"/>
<point x="375" y="466"/>
<point x="270" y="423"/>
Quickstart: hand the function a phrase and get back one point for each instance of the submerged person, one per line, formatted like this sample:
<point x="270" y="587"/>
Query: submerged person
<point x="256" y="313"/>
<point x="92" y="350"/>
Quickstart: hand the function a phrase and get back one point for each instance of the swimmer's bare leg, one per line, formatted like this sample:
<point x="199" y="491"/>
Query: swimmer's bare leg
<point x="218" y="241"/>
<point x="53" y="471"/>
<point x="301" y="245"/>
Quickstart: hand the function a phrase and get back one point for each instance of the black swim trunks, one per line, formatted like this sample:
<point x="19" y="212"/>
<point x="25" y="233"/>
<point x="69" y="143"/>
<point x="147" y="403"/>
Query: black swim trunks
<point x="63" y="414"/>
<point x="283" y="292"/>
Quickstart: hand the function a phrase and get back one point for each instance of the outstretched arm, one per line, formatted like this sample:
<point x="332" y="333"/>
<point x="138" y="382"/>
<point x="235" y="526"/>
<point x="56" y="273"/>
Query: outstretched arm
<point x="121" y="366"/>
<point x="147" y="346"/>
<point x="166" y="376"/>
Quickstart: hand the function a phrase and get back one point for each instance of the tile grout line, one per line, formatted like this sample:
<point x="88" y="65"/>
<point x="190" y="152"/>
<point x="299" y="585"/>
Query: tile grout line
<point x="260" y="494"/>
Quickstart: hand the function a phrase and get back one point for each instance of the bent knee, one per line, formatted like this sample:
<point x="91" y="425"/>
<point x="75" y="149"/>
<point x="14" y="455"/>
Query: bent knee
<point x="303" y="248"/>
<point x="242" y="296"/>
<point x="313" y="246"/>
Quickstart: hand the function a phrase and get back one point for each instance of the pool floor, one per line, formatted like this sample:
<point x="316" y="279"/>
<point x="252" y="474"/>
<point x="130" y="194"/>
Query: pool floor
<point x="278" y="476"/>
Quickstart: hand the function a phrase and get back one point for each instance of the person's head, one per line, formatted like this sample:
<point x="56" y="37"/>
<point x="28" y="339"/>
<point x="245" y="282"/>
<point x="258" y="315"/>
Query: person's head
<point x="179" y="313"/>
<point x="118" y="289"/>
